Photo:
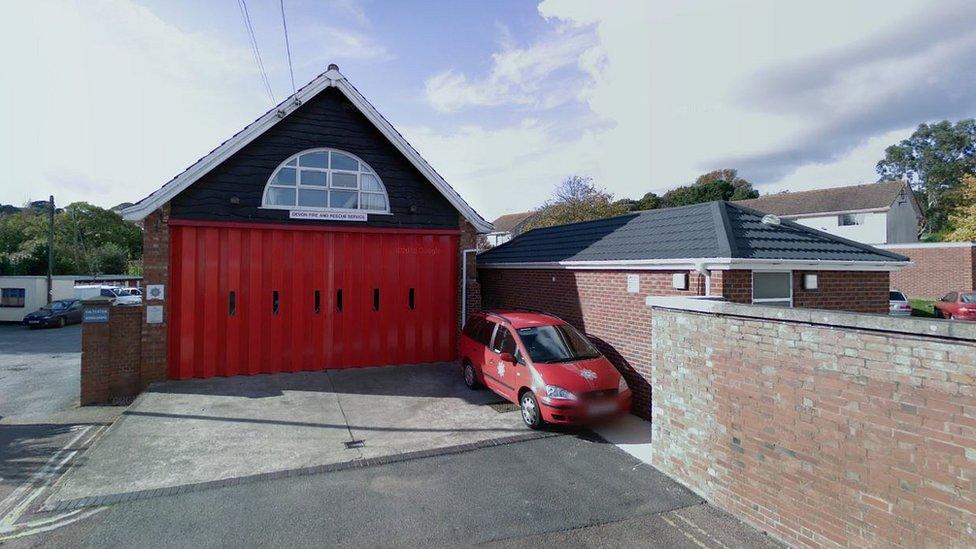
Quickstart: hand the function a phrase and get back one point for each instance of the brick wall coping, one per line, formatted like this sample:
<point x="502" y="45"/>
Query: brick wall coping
<point x="923" y="245"/>
<point x="863" y="321"/>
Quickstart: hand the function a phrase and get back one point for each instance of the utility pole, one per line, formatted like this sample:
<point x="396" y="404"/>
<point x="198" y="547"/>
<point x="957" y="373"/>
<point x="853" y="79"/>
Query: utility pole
<point x="50" y="248"/>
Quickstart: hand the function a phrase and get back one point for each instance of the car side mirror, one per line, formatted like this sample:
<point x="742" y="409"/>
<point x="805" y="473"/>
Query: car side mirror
<point x="507" y="357"/>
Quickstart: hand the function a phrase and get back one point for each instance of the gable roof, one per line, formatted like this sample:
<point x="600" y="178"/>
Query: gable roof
<point x="716" y="233"/>
<point x="508" y="222"/>
<point x="330" y="78"/>
<point x="871" y="196"/>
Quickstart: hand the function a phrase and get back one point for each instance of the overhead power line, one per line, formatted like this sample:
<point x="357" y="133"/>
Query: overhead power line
<point x="254" y="48"/>
<point x="284" y="24"/>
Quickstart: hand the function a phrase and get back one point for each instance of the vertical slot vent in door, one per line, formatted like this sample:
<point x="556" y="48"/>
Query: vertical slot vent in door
<point x="232" y="303"/>
<point x="274" y="302"/>
<point x="410" y="302"/>
<point x="376" y="299"/>
<point x="318" y="302"/>
<point x="339" y="300"/>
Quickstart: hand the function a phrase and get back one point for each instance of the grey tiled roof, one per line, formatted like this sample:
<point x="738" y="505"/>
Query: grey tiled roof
<point x="709" y="230"/>
<point x="870" y="196"/>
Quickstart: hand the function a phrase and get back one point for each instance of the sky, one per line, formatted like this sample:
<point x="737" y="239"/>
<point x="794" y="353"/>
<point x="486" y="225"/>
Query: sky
<point x="106" y="100"/>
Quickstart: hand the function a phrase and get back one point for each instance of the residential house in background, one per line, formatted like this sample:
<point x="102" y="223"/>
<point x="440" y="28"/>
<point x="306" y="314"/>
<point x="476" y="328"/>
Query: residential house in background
<point x="507" y="227"/>
<point x="875" y="213"/>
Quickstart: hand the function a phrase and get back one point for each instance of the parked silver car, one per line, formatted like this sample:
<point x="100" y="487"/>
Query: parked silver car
<point x="898" y="304"/>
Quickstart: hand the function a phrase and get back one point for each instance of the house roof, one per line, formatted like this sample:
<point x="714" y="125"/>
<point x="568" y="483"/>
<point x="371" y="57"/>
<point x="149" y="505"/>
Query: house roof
<point x="871" y="196"/>
<point x="330" y="78"/>
<point x="718" y="233"/>
<point x="508" y="222"/>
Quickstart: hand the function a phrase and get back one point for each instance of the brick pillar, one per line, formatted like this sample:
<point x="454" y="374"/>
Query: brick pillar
<point x="155" y="270"/>
<point x="110" y="354"/>
<point x="469" y="240"/>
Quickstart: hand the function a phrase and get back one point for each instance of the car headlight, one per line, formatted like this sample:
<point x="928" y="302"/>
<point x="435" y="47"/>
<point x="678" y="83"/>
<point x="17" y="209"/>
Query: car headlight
<point x="558" y="393"/>
<point x="622" y="386"/>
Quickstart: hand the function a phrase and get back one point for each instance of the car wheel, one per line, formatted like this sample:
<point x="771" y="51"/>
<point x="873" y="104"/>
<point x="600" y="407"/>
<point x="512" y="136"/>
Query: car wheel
<point x="531" y="414"/>
<point x="470" y="376"/>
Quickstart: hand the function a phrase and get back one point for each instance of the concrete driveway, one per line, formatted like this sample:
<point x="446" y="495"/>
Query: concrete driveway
<point x="200" y="434"/>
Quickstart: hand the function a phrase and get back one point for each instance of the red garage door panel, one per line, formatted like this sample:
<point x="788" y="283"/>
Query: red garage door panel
<point x="263" y="300"/>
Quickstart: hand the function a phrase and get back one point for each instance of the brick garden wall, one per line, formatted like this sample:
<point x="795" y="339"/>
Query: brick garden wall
<point x="936" y="269"/>
<point x="862" y="292"/>
<point x="110" y="355"/>
<point x="859" y="433"/>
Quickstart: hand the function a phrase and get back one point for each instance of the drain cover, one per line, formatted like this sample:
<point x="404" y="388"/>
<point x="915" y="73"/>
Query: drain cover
<point x="355" y="443"/>
<point x="503" y="407"/>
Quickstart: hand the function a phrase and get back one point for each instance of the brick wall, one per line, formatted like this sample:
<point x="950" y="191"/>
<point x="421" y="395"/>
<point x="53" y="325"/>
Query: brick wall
<point x="155" y="270"/>
<point x="110" y="355"/>
<point x="936" y="269"/>
<point x="862" y="292"/>
<point x="859" y="433"/>
<point x="468" y="241"/>
<point x="596" y="302"/>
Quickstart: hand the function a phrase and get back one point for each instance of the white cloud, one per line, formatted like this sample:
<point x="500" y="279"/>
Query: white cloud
<point x="104" y="102"/>
<point x="670" y="91"/>
<point x="535" y="75"/>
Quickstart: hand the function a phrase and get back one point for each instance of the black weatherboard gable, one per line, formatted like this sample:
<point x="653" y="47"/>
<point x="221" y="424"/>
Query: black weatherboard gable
<point x="720" y="230"/>
<point x="327" y="120"/>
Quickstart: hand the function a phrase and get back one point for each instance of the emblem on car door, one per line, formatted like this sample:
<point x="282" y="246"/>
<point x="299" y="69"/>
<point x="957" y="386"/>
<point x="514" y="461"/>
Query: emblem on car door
<point x="501" y="369"/>
<point x="588" y="374"/>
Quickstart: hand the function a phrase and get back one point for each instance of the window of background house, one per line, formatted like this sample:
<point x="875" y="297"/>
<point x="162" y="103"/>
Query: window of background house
<point x="845" y="220"/>
<point x="774" y="288"/>
<point x="12" y="297"/>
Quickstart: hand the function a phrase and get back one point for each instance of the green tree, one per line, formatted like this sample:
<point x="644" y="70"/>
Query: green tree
<point x="724" y="184"/>
<point x="81" y="232"/>
<point x="650" y="201"/>
<point x="962" y="219"/>
<point x="933" y="160"/>
<point x="575" y="199"/>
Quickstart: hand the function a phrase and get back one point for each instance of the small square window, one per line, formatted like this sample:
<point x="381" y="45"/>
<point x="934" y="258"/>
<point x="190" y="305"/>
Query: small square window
<point x="345" y="180"/>
<point x="344" y="199"/>
<point x="314" y="160"/>
<point x="344" y="162"/>
<point x="285" y="176"/>
<point x="375" y="202"/>
<point x="370" y="183"/>
<point x="845" y="220"/>
<point x="281" y="197"/>
<point x="12" y="297"/>
<point x="313" y="198"/>
<point x="319" y="179"/>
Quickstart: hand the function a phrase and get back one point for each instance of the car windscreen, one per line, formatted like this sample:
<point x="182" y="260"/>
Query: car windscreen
<point x="968" y="298"/>
<point x="560" y="343"/>
<point x="59" y="305"/>
<point x="896" y="296"/>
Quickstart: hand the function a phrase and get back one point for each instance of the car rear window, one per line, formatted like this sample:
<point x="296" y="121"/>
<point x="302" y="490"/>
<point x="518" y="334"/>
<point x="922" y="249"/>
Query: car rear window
<point x="472" y="327"/>
<point x="484" y="333"/>
<point x="896" y="296"/>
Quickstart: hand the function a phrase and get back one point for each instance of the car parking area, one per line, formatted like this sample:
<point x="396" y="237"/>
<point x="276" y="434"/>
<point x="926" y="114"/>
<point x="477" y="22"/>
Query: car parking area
<point x="39" y="369"/>
<point x="186" y="433"/>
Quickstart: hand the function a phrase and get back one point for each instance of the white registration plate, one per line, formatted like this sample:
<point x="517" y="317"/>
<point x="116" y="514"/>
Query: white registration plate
<point x="603" y="408"/>
<point x="33" y="321"/>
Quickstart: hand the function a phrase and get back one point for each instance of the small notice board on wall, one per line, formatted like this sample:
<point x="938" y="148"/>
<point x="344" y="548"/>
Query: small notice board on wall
<point x="95" y="315"/>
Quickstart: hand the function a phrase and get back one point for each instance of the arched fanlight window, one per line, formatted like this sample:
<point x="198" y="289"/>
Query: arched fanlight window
<point x="325" y="179"/>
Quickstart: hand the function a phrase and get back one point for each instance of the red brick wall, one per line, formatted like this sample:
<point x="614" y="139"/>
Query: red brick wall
<point x="735" y="285"/>
<point x="936" y="270"/>
<point x="155" y="270"/>
<point x="821" y="435"/>
<point x="110" y="355"/>
<point x="862" y="292"/>
<point x="597" y="303"/>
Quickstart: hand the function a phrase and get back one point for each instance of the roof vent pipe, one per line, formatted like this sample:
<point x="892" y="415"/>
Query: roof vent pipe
<point x="770" y="219"/>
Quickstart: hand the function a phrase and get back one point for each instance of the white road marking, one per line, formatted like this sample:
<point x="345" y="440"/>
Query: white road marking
<point x="687" y="534"/>
<point x="19" y="501"/>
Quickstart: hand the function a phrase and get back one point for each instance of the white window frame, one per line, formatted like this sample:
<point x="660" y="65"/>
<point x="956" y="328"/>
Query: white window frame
<point x="364" y="169"/>
<point x="760" y="301"/>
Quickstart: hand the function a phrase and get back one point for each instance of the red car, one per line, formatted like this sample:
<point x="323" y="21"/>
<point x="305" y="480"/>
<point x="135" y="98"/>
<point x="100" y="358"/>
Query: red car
<point x="542" y="363"/>
<point x="957" y="305"/>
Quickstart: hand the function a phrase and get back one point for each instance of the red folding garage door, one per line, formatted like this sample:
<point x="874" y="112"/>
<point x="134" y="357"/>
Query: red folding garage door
<point x="248" y="300"/>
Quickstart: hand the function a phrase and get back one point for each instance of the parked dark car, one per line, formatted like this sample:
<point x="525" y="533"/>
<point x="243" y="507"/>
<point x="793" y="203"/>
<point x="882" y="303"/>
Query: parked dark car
<point x="58" y="313"/>
<point x="957" y="305"/>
